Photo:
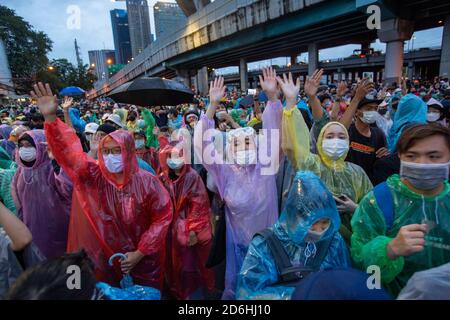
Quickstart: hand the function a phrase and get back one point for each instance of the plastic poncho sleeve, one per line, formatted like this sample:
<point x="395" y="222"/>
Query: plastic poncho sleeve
<point x="296" y="142"/>
<point x="161" y="218"/>
<point x="271" y="118"/>
<point x="67" y="150"/>
<point x="150" y="124"/>
<point x="205" y="151"/>
<point x="6" y="178"/>
<point x="317" y="127"/>
<point x="369" y="241"/>
<point x="258" y="274"/>
<point x="78" y="123"/>
<point x="198" y="211"/>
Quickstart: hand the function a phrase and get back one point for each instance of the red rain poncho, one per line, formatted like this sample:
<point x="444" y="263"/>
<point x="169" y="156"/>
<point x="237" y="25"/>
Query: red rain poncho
<point x="186" y="271"/>
<point x="108" y="217"/>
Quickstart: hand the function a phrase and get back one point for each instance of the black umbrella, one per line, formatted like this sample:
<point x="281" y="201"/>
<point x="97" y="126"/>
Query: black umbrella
<point x="148" y="91"/>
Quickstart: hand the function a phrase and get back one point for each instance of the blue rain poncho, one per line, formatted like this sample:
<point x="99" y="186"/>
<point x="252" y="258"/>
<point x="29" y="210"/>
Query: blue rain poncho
<point x="411" y="109"/>
<point x="309" y="201"/>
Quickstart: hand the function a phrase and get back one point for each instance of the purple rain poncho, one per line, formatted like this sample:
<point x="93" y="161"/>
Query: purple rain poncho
<point x="250" y="197"/>
<point x="43" y="199"/>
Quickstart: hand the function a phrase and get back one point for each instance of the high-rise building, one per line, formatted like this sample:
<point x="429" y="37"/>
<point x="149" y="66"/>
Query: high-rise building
<point x="121" y="34"/>
<point x="100" y="60"/>
<point x="168" y="17"/>
<point x="139" y="25"/>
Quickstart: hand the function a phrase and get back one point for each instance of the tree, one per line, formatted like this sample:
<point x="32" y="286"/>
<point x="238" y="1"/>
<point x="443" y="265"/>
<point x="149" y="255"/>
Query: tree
<point x="26" y="48"/>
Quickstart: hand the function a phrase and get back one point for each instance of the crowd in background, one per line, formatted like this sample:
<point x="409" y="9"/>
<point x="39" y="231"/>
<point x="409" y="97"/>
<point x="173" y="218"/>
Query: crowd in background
<point x="362" y="182"/>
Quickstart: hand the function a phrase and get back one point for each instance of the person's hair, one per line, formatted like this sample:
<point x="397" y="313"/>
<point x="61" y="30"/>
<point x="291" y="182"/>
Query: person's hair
<point x="411" y="135"/>
<point x="49" y="280"/>
<point x="174" y="112"/>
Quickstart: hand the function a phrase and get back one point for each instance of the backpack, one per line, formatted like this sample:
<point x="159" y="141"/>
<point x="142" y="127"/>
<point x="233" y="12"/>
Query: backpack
<point x="288" y="274"/>
<point x="385" y="202"/>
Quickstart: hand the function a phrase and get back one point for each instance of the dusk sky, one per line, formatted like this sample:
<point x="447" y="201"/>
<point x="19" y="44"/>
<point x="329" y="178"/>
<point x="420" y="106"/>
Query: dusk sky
<point x="95" y="30"/>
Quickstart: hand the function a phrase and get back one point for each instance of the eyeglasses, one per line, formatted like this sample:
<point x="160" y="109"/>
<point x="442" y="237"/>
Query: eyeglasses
<point x="113" y="151"/>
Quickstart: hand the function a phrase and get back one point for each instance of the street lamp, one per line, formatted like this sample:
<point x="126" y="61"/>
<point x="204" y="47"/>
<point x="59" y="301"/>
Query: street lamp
<point x="109" y="61"/>
<point x="51" y="68"/>
<point x="93" y="65"/>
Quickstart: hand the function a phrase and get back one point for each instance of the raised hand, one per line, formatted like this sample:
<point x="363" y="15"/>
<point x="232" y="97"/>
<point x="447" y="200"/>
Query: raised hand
<point x="268" y="82"/>
<point x="342" y="89"/>
<point x="312" y="83"/>
<point x="216" y="91"/>
<point x="46" y="101"/>
<point x="67" y="103"/>
<point x="289" y="88"/>
<point x="363" y="88"/>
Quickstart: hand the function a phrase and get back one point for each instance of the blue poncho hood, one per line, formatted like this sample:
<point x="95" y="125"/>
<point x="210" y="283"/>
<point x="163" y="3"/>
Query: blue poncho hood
<point x="308" y="201"/>
<point x="411" y="109"/>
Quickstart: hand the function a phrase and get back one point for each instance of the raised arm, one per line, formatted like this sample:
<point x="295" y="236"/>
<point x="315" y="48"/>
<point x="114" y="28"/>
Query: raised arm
<point x="295" y="133"/>
<point x="204" y="135"/>
<point x="64" y="143"/>
<point x="67" y="103"/>
<point x="341" y="90"/>
<point x="361" y="90"/>
<point x="311" y="86"/>
<point x="16" y="230"/>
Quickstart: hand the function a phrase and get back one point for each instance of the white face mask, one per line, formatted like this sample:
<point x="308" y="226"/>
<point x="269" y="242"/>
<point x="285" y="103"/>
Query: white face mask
<point x="27" y="154"/>
<point x="245" y="157"/>
<point x="113" y="162"/>
<point x="314" y="236"/>
<point x="369" y="117"/>
<point x="175" y="163"/>
<point x="335" y="148"/>
<point x="433" y="116"/>
<point x="139" y="143"/>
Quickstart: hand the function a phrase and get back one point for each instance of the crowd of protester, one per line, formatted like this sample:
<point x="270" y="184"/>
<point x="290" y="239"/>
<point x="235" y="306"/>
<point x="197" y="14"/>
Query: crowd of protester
<point x="361" y="182"/>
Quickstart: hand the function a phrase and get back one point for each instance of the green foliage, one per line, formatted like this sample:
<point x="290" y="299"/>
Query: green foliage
<point x="26" y="48"/>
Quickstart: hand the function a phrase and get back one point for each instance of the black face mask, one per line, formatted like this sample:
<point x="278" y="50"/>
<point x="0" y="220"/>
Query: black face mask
<point x="382" y="111"/>
<point x="131" y="118"/>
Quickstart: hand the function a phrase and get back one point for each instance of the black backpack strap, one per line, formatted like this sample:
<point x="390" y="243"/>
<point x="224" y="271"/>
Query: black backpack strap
<point x="322" y="250"/>
<point x="280" y="256"/>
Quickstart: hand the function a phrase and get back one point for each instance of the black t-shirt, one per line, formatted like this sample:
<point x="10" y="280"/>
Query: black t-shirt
<point x="161" y="120"/>
<point x="363" y="149"/>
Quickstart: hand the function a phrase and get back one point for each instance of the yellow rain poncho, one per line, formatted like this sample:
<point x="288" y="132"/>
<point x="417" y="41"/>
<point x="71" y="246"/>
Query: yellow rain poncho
<point x="339" y="176"/>
<point x="370" y="237"/>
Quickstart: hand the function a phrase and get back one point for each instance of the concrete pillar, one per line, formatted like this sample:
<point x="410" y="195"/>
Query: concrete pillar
<point x="394" y="32"/>
<point x="410" y="70"/>
<point x="339" y="74"/>
<point x="202" y="81"/>
<point x="293" y="59"/>
<point x="444" y="69"/>
<point x="313" y="58"/>
<point x="243" y="75"/>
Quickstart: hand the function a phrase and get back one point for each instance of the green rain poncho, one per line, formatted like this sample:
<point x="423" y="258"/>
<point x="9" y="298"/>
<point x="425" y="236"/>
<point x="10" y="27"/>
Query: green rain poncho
<point x="370" y="238"/>
<point x="339" y="176"/>
<point x="7" y="172"/>
<point x="150" y="123"/>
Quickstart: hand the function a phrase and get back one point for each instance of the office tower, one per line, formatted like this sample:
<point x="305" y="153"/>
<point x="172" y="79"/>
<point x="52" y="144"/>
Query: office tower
<point x="168" y="17"/>
<point x="121" y="34"/>
<point x="139" y="25"/>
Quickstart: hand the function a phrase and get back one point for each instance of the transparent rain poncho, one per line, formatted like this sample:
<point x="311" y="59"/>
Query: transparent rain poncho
<point x="250" y="197"/>
<point x="432" y="284"/>
<point x="186" y="271"/>
<point x="339" y="176"/>
<point x="370" y="237"/>
<point x="308" y="202"/>
<point x="43" y="199"/>
<point x="411" y="109"/>
<point x="108" y="216"/>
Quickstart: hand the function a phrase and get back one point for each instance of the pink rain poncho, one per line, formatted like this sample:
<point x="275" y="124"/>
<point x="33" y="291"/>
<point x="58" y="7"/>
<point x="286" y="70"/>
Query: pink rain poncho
<point x="108" y="217"/>
<point x="186" y="271"/>
<point x="250" y="196"/>
<point x="43" y="199"/>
